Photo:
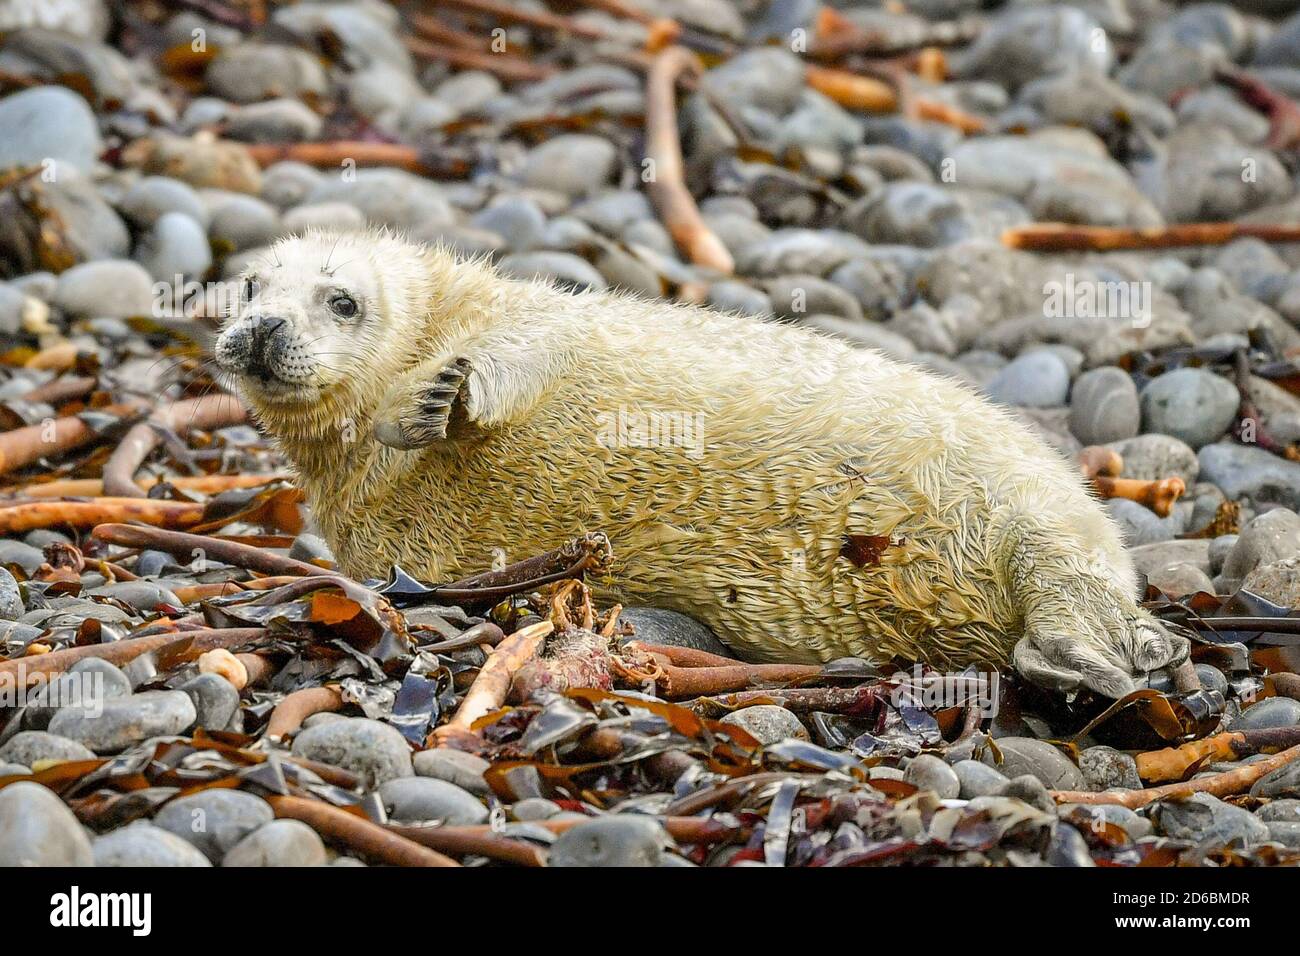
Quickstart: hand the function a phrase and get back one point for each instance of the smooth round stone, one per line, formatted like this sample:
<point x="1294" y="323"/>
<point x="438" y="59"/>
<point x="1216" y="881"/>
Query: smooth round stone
<point x="421" y="799"/>
<point x="1274" y="712"/>
<point x="175" y="245"/>
<point x="1177" y="580"/>
<point x="1067" y="847"/>
<point x="1203" y="818"/>
<point x="11" y="598"/>
<point x="28" y="746"/>
<point x="323" y="215"/>
<point x="1285" y="810"/>
<point x="13" y="770"/>
<point x="1152" y="457"/>
<point x="928" y="772"/>
<point x="1105" y="767"/>
<point x="1029" y="789"/>
<point x="1288" y="834"/>
<point x="978" y="779"/>
<point x="615" y="840"/>
<point x="767" y="723"/>
<point x="559" y="268"/>
<point x="465" y="770"/>
<point x="655" y="626"/>
<point x="152" y="197"/>
<point x="249" y="72"/>
<point x="323" y="718"/>
<point x="37" y="829"/>
<point x="1021" y="755"/>
<point x="143" y="844"/>
<point x="1272" y="536"/>
<point x="1139" y="525"/>
<point x="215" y="700"/>
<point x="517" y="220"/>
<point x="1191" y="404"/>
<point x="243" y="222"/>
<point x="1037" y="380"/>
<point x="738" y="297"/>
<point x="1104" y="406"/>
<point x="48" y="122"/>
<point x="884" y="773"/>
<point x="84" y="682"/>
<point x="376" y="751"/>
<point x="1242" y="471"/>
<point x="532" y="809"/>
<point x="1134" y="825"/>
<point x="575" y="164"/>
<point x="1282" y="782"/>
<point x="125" y="721"/>
<point x="214" y="820"/>
<point x="112" y="288"/>
<point x="274" y="121"/>
<point x="278" y="843"/>
<point x="141" y="595"/>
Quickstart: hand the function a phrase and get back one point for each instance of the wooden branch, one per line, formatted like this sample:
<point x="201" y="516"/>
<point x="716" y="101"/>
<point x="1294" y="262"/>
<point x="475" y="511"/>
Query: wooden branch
<point x="184" y="546"/>
<point x="289" y="714"/>
<point x="504" y="12"/>
<point x="507" y="67"/>
<point x="1064" y="237"/>
<point x="23" y="446"/>
<point x="359" y="835"/>
<point x="667" y="187"/>
<point x="29" y="515"/>
<point x="217" y="410"/>
<point x="331" y="155"/>
<point x="490" y="687"/>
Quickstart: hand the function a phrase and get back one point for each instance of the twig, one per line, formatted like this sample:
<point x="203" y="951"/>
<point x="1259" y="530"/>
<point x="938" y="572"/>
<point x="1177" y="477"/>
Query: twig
<point x="490" y="687"/>
<point x="507" y="67"/>
<point x="332" y="154"/>
<point x="205" y="414"/>
<point x="28" y="515"/>
<point x="182" y="545"/>
<point x="503" y="12"/>
<point x="1219" y="785"/>
<point x="298" y="706"/>
<point x="667" y="186"/>
<point x="22" y="446"/>
<point x="1283" y="113"/>
<point x="366" y="839"/>
<point x="1172" y="763"/>
<point x="463" y="841"/>
<point x="1063" y="237"/>
<point x="204" y="484"/>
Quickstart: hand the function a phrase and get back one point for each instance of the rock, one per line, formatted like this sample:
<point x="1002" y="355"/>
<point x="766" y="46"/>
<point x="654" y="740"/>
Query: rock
<point x="1153" y="559"/>
<point x="243" y="222"/>
<point x="1245" y="472"/>
<point x="1283" y="810"/>
<point x="575" y="164"/>
<point x="152" y="197"/>
<point x="310" y="547"/>
<point x="1037" y="379"/>
<point x="274" y="121"/>
<point x="978" y="779"/>
<point x="388" y="197"/>
<point x="1190" y="404"/>
<point x="215" y="700"/>
<point x="376" y="751"/>
<point x="1202" y="818"/>
<point x="28" y="746"/>
<point x="11" y="598"/>
<point x="1029" y="789"/>
<point x="1278" y="582"/>
<point x="1024" y="43"/>
<point x="1206" y="175"/>
<point x="1105" y="767"/>
<point x="534" y="808"/>
<point x="278" y="843"/>
<point x="289" y="183"/>
<point x="248" y="72"/>
<point x="1021" y="755"/>
<point x="143" y="844"/>
<point x="175" y="245"/>
<point x="465" y="770"/>
<point x="1270" y="537"/>
<point x="517" y="220"/>
<point x="37" y="829"/>
<point x="422" y="799"/>
<point x="214" y="820"/>
<point x="123" y="721"/>
<point x="1288" y="834"/>
<point x="1104" y="406"/>
<point x="1152" y="457"/>
<point x="794" y="296"/>
<point x="1274" y="712"/>
<point x="928" y="772"/>
<point x="767" y="723"/>
<point x="143" y="596"/>
<point x="739" y="298"/>
<point x="114" y="288"/>
<point x="85" y="682"/>
<point x="24" y="555"/>
<point x="202" y="161"/>
<point x="1177" y="580"/>
<point x="771" y="78"/>
<point x="657" y="626"/>
<point x="561" y="268"/>
<point x="1067" y="847"/>
<point x="323" y="215"/>
<point x="614" y="840"/>
<point x="1140" y="525"/>
<point x="1135" y="826"/>
<point x="48" y="123"/>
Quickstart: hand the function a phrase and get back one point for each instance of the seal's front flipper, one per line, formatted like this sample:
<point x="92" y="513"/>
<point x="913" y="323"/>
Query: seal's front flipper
<point x="423" y="405"/>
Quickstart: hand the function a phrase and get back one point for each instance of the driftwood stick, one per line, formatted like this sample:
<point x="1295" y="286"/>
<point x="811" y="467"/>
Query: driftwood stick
<point x="22" y="446"/>
<point x="182" y="545"/>
<point x="366" y="839"/>
<point x="208" y="412"/>
<point x="1063" y="237"/>
<point x="298" y="706"/>
<point x="490" y="687"/>
<point x="25" y="516"/>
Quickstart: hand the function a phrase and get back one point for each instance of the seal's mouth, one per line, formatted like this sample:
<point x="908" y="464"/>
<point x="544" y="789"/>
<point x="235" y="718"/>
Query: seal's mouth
<point x="269" y="387"/>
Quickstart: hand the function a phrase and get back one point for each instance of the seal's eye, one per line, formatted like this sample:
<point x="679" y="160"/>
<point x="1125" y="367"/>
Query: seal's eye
<point x="344" y="305"/>
<point x="251" y="288"/>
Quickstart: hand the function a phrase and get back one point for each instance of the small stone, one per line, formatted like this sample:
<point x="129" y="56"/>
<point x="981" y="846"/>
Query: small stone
<point x="1245" y="472"/>
<point x="561" y="268"/>
<point x="421" y="799"/>
<point x="11" y="598"/>
<point x="534" y="808"/>
<point x="1177" y="580"/>
<point x="1134" y="825"/>
<point x="1029" y="789"/>
<point x="1288" y="834"/>
<point x="152" y="197"/>
<point x="249" y="72"/>
<point x="214" y="820"/>
<point x="143" y="844"/>
<point x="1105" y="767"/>
<point x="215" y="700"/>
<point x="37" y="829"/>
<point x="1190" y="404"/>
<point x="1271" y="713"/>
<point x="1037" y="380"/>
<point x="310" y="547"/>
<point x="1282" y="782"/>
<point x="1202" y="818"/>
<point x="465" y="770"/>
<point x="614" y="840"/>
<point x="1104" y="406"/>
<point x="1284" y="810"/>
<point x="175" y="245"/>
<point x="1153" y="457"/>
<point x="118" y="289"/>
<point x="1021" y="755"/>
<point x="144" y="596"/>
<point x="767" y="723"/>
<point x="122" y="721"/>
<point x="28" y="746"/>
<point x="83" y="683"/>
<point x="376" y="751"/>
<point x="575" y="164"/>
<point x="656" y="626"/>
<point x="978" y="779"/>
<point x="928" y="772"/>
<point x="48" y="122"/>
<point x="278" y="843"/>
<point x="243" y="222"/>
<point x="1272" y="536"/>
<point x="1067" y="848"/>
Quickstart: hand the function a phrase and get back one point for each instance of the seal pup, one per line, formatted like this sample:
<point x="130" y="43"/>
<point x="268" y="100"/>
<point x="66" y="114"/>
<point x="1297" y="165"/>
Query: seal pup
<point x="805" y="499"/>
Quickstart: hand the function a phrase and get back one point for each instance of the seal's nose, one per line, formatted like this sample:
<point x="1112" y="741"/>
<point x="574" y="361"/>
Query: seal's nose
<point x="263" y="335"/>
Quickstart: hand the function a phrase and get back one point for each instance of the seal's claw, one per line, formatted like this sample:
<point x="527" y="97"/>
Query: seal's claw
<point x="417" y="413"/>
